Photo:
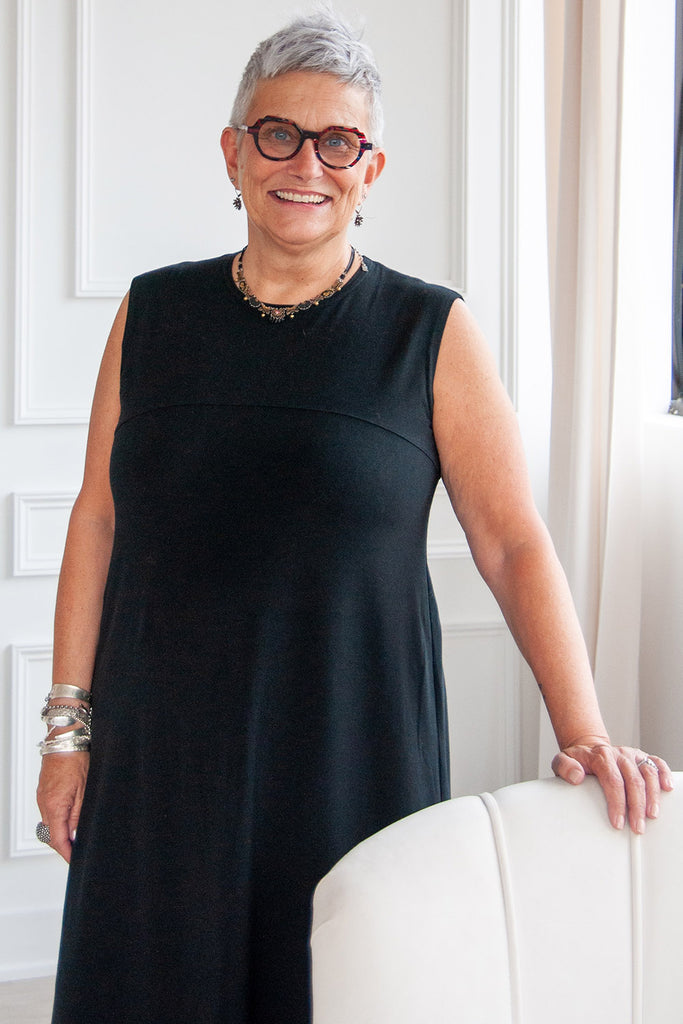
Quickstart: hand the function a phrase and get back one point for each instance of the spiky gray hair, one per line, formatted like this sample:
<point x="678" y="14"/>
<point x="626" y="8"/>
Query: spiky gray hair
<point x="320" y="42"/>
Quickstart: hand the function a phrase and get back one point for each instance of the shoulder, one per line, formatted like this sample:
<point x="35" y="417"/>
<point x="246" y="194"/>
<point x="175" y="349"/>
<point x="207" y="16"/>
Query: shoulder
<point x="409" y="288"/>
<point x="185" y="275"/>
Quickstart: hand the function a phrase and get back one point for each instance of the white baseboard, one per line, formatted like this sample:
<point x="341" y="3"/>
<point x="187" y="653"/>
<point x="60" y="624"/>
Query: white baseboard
<point x="29" y="943"/>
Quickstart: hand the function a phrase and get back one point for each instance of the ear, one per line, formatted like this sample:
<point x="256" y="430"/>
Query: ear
<point x="229" y="146"/>
<point x="374" y="167"/>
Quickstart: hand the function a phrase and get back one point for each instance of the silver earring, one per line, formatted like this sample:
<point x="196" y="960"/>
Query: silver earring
<point x="358" y="219"/>
<point x="237" y="201"/>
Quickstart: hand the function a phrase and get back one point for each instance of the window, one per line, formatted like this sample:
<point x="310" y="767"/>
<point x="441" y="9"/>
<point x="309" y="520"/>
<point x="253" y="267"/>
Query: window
<point x="676" y="406"/>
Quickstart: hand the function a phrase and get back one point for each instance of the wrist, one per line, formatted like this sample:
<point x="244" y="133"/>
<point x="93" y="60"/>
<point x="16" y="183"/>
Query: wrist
<point x="67" y="716"/>
<point x="588" y="740"/>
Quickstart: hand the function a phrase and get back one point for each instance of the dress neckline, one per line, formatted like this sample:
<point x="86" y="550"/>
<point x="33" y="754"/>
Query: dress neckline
<point x="349" y="285"/>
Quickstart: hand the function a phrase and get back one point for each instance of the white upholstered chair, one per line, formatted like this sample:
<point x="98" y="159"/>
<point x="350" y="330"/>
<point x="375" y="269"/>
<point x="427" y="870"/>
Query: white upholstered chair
<point x="519" y="907"/>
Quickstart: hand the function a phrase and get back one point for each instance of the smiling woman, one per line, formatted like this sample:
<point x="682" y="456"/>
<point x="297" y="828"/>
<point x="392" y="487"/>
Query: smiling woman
<point x="244" y="598"/>
<point x="300" y="205"/>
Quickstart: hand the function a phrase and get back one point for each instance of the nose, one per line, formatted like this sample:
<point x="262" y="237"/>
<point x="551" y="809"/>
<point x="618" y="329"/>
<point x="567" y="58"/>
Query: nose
<point x="305" y="163"/>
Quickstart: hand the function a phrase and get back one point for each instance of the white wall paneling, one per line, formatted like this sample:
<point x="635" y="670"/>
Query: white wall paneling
<point x="133" y="214"/>
<point x="58" y="341"/>
<point x="151" y="187"/>
<point x="40" y="524"/>
<point x="510" y="201"/>
<point x="458" y="155"/>
<point x="31" y="674"/>
<point x="417" y="214"/>
<point x="446" y="538"/>
<point x="491" y="177"/>
<point x="28" y="941"/>
<point x="24" y="177"/>
<point x="481" y="665"/>
<point x="85" y="282"/>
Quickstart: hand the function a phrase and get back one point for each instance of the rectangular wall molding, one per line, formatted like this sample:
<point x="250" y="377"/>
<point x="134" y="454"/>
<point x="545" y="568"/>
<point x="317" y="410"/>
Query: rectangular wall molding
<point x="31" y="677"/>
<point x="23" y="207"/>
<point x="28" y="409"/>
<point x="446" y="538"/>
<point x="87" y="283"/>
<point x="97" y="281"/>
<point x="482" y="672"/>
<point x="510" y="202"/>
<point x="40" y="524"/>
<point x="459" y="142"/>
<point x="447" y="549"/>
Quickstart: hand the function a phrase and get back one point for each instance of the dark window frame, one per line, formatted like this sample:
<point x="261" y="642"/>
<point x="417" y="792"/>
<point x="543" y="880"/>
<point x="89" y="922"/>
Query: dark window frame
<point x="677" y="317"/>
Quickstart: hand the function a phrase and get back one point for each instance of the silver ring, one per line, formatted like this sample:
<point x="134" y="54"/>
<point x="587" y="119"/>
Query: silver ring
<point x="43" y="832"/>
<point x="648" y="761"/>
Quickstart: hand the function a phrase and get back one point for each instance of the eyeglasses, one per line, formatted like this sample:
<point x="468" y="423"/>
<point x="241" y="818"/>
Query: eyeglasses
<point x="277" y="138"/>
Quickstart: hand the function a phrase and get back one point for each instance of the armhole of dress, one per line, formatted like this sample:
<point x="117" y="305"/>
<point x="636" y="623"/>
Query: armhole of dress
<point x="435" y="344"/>
<point x="125" y="346"/>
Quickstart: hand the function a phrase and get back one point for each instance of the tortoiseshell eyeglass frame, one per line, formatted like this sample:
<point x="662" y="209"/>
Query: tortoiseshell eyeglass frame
<point x="253" y="130"/>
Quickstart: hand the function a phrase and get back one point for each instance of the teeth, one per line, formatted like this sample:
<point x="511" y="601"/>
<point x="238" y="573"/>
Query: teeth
<point x="297" y="197"/>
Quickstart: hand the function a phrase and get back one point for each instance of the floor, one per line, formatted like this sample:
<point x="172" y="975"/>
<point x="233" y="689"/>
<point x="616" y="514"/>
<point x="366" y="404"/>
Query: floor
<point x="26" y="1002"/>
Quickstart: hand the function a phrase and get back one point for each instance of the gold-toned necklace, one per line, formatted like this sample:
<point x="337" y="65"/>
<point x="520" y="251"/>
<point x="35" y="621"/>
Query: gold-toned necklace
<point x="278" y="313"/>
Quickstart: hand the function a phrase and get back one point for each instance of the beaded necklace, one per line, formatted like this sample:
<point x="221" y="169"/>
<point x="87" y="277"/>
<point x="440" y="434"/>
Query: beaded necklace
<point x="278" y="313"/>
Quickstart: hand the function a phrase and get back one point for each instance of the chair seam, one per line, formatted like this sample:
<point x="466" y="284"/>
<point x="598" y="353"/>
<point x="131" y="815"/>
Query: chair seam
<point x="498" y="830"/>
<point x="637" y="975"/>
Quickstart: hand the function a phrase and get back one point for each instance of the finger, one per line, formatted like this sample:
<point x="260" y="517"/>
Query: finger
<point x="56" y="816"/>
<point x="603" y="763"/>
<point x="60" y="795"/>
<point x="655" y="778"/>
<point x="73" y="820"/>
<point x="636" y="792"/>
<point x="666" y="780"/>
<point x="568" y="768"/>
<point x="59" y="836"/>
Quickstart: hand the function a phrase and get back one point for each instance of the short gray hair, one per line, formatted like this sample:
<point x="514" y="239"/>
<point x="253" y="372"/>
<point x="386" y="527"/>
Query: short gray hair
<point x="320" y="42"/>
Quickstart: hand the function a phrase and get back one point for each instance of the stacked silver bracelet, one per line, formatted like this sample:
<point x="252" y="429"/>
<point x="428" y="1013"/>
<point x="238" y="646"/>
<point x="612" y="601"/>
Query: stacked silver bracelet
<point x="58" y="716"/>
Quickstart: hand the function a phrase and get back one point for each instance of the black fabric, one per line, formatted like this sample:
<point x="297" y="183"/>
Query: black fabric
<point x="268" y="687"/>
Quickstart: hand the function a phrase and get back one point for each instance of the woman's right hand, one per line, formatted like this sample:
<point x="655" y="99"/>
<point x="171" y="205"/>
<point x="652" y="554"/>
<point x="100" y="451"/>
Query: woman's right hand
<point x="60" y="796"/>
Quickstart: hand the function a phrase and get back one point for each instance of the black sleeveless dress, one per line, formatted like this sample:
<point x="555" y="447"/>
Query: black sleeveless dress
<point x="268" y="687"/>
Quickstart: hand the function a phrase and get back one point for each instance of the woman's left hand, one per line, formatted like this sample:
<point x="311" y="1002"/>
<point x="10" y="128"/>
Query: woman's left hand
<point x="632" y="780"/>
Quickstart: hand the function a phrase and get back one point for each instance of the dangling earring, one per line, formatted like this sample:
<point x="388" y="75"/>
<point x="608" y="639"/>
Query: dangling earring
<point x="358" y="220"/>
<point x="237" y="201"/>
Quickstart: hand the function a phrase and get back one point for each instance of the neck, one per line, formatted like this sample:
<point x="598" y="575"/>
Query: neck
<point x="286" y="277"/>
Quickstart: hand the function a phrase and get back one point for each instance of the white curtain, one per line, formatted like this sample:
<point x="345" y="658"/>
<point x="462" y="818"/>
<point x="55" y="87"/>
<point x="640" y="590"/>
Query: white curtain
<point x="595" y="459"/>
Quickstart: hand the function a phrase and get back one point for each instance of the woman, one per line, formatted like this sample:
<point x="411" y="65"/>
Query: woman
<point x="264" y="657"/>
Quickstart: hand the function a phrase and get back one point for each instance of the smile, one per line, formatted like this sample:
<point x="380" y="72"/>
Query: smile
<point x="298" y="197"/>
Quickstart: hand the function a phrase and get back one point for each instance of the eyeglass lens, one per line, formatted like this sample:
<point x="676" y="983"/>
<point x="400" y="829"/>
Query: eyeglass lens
<point x="280" y="141"/>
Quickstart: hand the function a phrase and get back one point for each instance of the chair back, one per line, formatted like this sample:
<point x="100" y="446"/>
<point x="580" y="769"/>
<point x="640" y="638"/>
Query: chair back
<point x="519" y="907"/>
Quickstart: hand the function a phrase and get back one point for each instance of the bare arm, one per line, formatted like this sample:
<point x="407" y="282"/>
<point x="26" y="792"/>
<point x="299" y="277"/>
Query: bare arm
<point x="485" y="473"/>
<point x="79" y="596"/>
